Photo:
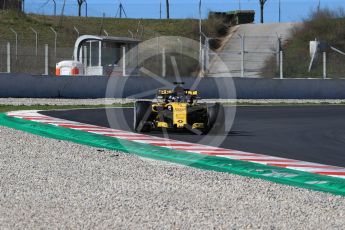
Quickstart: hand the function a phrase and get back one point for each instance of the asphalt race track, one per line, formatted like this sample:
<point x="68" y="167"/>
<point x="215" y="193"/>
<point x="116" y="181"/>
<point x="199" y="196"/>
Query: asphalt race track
<point x="309" y="133"/>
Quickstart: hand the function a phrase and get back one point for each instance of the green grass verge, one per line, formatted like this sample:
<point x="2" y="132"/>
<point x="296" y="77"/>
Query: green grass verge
<point x="147" y="28"/>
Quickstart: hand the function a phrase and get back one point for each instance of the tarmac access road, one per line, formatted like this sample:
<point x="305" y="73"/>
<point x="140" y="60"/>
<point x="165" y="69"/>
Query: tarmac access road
<point x="308" y="133"/>
<point x="260" y="43"/>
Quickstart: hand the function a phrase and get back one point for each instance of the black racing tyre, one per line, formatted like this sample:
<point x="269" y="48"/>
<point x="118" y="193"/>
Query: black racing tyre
<point x="142" y="114"/>
<point x="215" y="119"/>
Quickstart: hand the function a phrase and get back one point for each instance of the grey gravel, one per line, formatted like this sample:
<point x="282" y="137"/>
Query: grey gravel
<point x="110" y="101"/>
<point x="50" y="184"/>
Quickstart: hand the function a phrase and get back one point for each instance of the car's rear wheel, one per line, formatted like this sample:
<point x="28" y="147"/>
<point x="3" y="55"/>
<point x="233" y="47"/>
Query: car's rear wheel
<point x="215" y="119"/>
<point x="142" y="115"/>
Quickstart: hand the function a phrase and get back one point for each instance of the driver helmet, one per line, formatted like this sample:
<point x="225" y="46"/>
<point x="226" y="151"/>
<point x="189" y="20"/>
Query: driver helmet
<point x="171" y="98"/>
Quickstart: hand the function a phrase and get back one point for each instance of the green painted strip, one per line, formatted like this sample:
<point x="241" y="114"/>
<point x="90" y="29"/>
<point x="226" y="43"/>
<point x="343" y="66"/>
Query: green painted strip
<point x="280" y="175"/>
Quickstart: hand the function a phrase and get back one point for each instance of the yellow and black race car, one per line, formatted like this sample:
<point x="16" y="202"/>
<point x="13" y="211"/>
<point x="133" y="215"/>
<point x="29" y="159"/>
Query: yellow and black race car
<point x="178" y="109"/>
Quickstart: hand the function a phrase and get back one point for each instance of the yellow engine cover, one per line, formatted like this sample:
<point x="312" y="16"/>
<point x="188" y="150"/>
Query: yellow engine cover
<point x="179" y="114"/>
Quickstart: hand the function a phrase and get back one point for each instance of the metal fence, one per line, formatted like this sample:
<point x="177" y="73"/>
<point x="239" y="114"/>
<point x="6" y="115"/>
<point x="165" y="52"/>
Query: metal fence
<point x="242" y="56"/>
<point x="247" y="56"/>
<point x="167" y="56"/>
<point x="33" y="60"/>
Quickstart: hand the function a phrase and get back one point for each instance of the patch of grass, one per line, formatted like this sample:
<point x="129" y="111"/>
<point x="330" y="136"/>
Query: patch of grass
<point x="141" y="28"/>
<point x="8" y="108"/>
<point x="325" y="25"/>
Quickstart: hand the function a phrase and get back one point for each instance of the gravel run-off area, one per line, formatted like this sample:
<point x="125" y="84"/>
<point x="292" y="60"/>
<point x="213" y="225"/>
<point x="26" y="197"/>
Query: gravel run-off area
<point x="47" y="184"/>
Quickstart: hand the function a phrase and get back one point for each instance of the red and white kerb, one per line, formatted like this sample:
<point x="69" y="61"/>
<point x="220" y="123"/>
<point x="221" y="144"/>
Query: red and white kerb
<point x="316" y="168"/>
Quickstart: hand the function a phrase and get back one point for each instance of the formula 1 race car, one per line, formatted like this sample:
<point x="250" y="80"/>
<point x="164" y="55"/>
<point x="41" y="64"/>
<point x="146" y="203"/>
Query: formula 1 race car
<point x="178" y="109"/>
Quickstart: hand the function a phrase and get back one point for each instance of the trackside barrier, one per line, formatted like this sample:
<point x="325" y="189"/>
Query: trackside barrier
<point x="22" y="85"/>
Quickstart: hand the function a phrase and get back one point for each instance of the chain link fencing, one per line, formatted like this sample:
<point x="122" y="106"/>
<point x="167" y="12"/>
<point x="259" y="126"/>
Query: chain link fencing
<point x="244" y="56"/>
<point x="162" y="56"/>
